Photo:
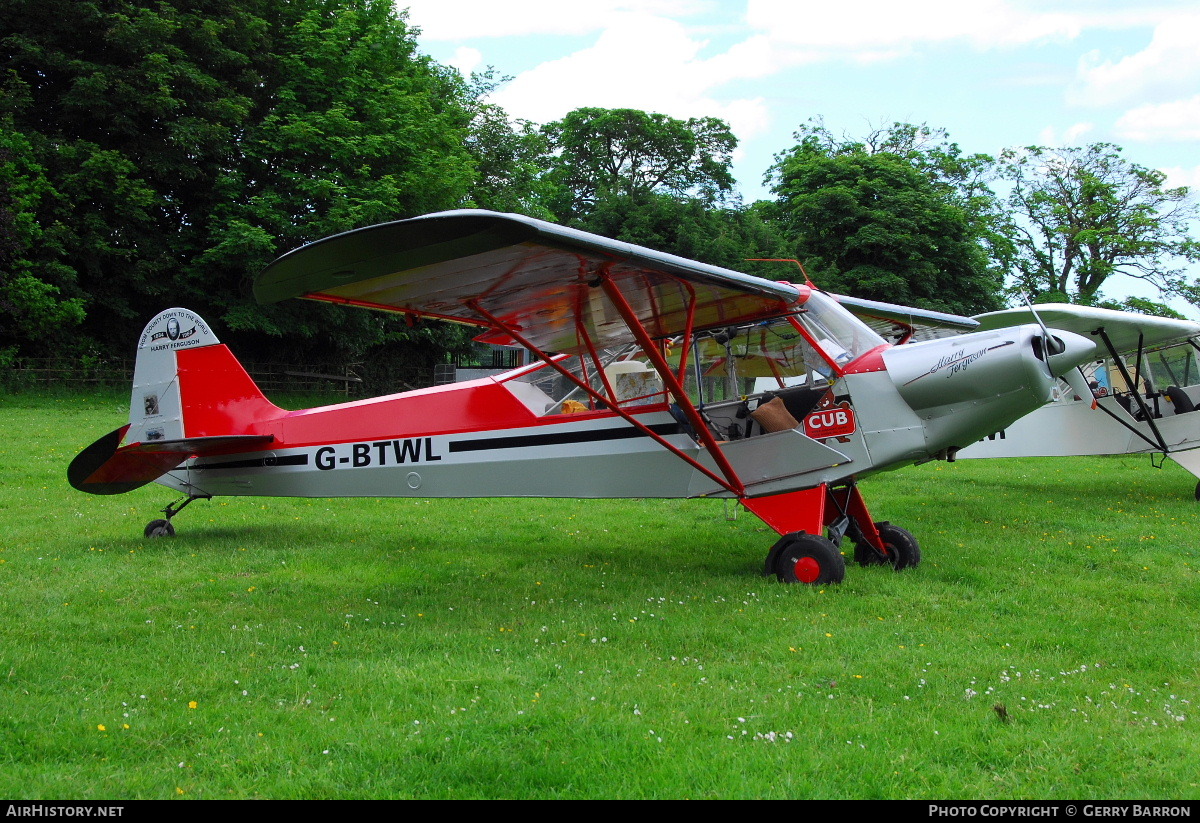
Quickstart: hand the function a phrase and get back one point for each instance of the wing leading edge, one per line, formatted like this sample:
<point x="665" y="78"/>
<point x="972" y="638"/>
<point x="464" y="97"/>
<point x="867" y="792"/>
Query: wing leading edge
<point x="539" y="279"/>
<point x="1124" y="329"/>
<point x="905" y="323"/>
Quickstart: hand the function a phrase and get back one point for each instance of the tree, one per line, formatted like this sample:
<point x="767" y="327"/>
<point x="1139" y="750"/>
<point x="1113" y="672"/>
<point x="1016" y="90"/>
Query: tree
<point x="32" y="304"/>
<point x="729" y="237"/>
<point x="902" y="217"/>
<point x="117" y="113"/>
<point x="163" y="153"/>
<point x="512" y="157"/>
<point x="604" y="153"/>
<point x="1083" y="215"/>
<point x="656" y="181"/>
<point x="350" y="127"/>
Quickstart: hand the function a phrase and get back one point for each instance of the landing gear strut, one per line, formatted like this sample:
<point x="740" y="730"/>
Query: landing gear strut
<point x="163" y="528"/>
<point x="805" y="555"/>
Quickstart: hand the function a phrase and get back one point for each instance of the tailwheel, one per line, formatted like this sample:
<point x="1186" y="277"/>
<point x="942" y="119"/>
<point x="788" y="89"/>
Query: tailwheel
<point x="159" y="528"/>
<point x="808" y="558"/>
<point x="163" y="528"/>
<point x="903" y="551"/>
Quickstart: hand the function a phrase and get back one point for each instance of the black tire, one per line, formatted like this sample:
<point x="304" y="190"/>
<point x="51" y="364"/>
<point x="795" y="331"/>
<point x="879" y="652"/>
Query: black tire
<point x="1198" y="491"/>
<point x="159" y="528"/>
<point x="902" y="547"/>
<point x="811" y="559"/>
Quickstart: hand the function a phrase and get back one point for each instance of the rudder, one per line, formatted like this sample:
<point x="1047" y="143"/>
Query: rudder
<point x="186" y="383"/>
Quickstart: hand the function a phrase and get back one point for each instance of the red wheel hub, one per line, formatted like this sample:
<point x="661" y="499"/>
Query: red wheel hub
<point x="807" y="569"/>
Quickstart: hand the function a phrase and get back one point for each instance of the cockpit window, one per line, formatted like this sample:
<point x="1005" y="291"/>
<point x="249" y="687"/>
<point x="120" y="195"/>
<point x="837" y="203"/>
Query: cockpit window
<point x="723" y="364"/>
<point x="633" y="382"/>
<point x="842" y="336"/>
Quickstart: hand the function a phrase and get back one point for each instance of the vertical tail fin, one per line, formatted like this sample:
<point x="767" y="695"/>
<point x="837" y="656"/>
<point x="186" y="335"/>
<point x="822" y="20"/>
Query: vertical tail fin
<point x="186" y="383"/>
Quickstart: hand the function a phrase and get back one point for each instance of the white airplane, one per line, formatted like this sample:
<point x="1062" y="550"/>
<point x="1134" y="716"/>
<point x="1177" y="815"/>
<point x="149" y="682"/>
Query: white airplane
<point x="644" y="387"/>
<point x="1137" y="397"/>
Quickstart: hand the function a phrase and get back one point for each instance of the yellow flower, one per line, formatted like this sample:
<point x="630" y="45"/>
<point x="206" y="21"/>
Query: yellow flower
<point x="192" y="704"/>
<point x="101" y="728"/>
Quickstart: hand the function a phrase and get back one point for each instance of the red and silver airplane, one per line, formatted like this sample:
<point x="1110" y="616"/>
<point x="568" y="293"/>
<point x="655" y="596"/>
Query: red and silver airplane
<point x="655" y="376"/>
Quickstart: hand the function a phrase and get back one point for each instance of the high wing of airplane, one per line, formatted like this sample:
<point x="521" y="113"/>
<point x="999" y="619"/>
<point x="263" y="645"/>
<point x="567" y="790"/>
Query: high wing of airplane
<point x="648" y="382"/>
<point x="1139" y="395"/>
<point x="905" y="324"/>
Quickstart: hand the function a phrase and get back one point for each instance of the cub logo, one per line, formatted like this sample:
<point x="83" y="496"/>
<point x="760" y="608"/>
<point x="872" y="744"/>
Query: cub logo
<point x="830" y="419"/>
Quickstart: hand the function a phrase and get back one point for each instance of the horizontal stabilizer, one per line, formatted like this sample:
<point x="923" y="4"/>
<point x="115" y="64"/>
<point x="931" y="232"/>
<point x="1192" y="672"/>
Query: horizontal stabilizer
<point x="107" y="468"/>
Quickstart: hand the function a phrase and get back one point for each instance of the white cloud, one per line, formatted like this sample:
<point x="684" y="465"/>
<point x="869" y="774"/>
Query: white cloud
<point x="1177" y="120"/>
<point x="1072" y="136"/>
<point x="1179" y="176"/>
<point x="755" y="57"/>
<point x="466" y="60"/>
<point x="1166" y="68"/>
<point x="463" y="19"/>
<point x="880" y="28"/>
<point x="640" y="61"/>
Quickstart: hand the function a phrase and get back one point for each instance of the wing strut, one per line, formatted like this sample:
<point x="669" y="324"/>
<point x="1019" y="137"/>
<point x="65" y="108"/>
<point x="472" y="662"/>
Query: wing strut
<point x="1158" y="443"/>
<point x="736" y="486"/>
<point x="664" y="369"/>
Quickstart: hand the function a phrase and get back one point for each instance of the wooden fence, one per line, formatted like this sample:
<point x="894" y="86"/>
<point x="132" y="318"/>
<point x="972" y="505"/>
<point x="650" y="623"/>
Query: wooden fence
<point x="353" y="380"/>
<point x="44" y="372"/>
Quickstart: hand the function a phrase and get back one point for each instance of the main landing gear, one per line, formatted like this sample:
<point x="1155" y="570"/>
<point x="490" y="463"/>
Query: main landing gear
<point x="804" y="555"/>
<point x="901" y="550"/>
<point x="806" y="558"/>
<point x="163" y="528"/>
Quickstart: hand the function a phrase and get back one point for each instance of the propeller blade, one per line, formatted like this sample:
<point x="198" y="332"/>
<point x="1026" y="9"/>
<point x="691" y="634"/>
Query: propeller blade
<point x="1054" y="346"/>
<point x="1051" y="345"/>
<point x="1079" y="384"/>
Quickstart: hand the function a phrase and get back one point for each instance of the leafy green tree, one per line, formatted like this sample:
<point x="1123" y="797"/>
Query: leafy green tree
<point x="162" y="153"/>
<point x="627" y="153"/>
<point x="732" y="237"/>
<point x="656" y="181"/>
<point x="351" y="127"/>
<point x="1083" y="215"/>
<point x="1137" y="305"/>
<point x="512" y="157"/>
<point x="32" y="305"/>
<point x="121" y="112"/>
<point x="903" y="217"/>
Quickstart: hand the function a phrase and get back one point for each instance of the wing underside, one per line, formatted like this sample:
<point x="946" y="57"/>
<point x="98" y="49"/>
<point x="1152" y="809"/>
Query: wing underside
<point x="540" y="280"/>
<point x="905" y="324"/>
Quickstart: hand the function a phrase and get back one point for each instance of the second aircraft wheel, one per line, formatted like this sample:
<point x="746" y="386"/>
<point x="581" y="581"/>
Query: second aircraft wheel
<point x="903" y="550"/>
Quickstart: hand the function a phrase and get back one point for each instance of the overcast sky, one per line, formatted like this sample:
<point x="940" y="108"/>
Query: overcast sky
<point x="994" y="73"/>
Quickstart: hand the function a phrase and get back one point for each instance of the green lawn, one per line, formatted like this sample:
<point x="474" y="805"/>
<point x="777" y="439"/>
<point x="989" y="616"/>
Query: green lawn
<point x="487" y="648"/>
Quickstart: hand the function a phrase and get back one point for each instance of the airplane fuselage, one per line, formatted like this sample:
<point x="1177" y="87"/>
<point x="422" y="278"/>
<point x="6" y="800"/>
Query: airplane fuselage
<point x="502" y="437"/>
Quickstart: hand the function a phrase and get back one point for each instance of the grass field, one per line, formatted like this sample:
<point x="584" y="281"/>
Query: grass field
<point x="486" y="648"/>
